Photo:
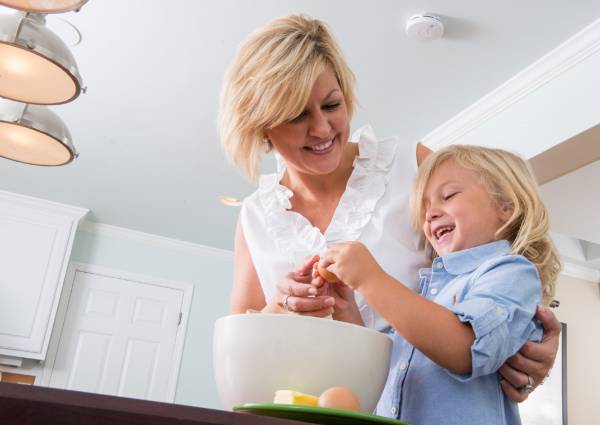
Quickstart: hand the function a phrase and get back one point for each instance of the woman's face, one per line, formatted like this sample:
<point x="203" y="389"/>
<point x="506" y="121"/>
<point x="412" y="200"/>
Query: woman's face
<point x="313" y="142"/>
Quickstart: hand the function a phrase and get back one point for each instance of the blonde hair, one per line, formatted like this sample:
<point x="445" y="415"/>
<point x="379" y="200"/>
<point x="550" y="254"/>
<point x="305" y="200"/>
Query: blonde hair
<point x="269" y="82"/>
<point x="512" y="186"/>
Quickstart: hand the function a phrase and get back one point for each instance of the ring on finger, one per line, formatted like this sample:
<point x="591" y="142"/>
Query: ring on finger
<point x="528" y="387"/>
<point x="285" y="302"/>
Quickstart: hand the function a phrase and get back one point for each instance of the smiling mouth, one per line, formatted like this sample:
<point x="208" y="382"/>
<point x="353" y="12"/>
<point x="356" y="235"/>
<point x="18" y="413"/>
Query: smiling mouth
<point x="444" y="230"/>
<point x="321" y="147"/>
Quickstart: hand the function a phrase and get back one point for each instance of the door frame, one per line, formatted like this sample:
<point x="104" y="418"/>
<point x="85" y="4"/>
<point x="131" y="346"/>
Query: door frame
<point x="65" y="299"/>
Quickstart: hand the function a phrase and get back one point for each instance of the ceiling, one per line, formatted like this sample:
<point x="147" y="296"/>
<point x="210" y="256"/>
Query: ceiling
<point x="565" y="172"/>
<point x="150" y="159"/>
<point x="574" y="206"/>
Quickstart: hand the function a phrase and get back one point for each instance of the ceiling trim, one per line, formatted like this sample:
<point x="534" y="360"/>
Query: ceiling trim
<point x="43" y="204"/>
<point x="568" y="54"/>
<point x="581" y="272"/>
<point x="154" y="240"/>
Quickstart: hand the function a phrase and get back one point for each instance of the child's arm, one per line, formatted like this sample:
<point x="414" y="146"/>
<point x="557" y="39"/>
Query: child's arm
<point x="430" y="327"/>
<point x="475" y="335"/>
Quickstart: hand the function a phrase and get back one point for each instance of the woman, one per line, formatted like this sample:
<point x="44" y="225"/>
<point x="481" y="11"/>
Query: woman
<point x="290" y="90"/>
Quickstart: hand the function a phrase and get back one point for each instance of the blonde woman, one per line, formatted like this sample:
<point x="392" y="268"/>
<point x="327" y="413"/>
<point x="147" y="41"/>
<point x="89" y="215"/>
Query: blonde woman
<point x="289" y="90"/>
<point x="482" y="216"/>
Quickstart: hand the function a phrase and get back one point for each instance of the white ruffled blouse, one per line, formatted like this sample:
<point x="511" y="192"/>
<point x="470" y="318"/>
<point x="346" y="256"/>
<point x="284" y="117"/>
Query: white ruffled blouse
<point x="374" y="210"/>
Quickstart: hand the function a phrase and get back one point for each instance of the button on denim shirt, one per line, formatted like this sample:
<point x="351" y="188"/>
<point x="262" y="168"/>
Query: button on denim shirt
<point x="496" y="293"/>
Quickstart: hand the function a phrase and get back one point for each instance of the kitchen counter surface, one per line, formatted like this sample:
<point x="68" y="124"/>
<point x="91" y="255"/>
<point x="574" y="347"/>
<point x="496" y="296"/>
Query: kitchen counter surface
<point x="31" y="405"/>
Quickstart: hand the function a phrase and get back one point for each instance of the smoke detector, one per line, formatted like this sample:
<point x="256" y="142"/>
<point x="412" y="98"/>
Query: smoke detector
<point x="424" y="27"/>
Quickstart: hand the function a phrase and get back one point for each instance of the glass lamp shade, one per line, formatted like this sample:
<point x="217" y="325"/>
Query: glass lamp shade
<point x="44" y="6"/>
<point x="36" y="66"/>
<point x="35" y="135"/>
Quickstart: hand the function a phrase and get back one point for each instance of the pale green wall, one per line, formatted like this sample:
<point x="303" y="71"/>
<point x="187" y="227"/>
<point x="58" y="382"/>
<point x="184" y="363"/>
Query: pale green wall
<point x="210" y="272"/>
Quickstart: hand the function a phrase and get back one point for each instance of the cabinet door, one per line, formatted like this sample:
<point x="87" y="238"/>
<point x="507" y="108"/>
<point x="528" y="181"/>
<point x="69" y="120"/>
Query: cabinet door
<point x="35" y="243"/>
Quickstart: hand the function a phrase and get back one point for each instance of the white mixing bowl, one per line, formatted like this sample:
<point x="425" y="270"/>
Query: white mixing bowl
<point x="256" y="354"/>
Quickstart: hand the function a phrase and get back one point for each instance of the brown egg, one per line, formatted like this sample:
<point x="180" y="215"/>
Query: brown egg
<point x="327" y="275"/>
<point x="339" y="398"/>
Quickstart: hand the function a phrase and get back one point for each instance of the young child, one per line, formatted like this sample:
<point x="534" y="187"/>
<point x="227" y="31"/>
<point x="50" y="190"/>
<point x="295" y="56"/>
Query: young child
<point x="483" y="219"/>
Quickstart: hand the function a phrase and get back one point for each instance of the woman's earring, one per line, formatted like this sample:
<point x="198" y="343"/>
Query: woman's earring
<point x="267" y="142"/>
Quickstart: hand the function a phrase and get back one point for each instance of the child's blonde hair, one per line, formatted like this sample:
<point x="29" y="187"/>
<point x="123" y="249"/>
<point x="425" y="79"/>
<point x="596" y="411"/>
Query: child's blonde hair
<point x="269" y="82"/>
<point x="512" y="186"/>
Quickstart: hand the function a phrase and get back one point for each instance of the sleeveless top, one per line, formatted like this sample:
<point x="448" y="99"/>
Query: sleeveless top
<point x="374" y="209"/>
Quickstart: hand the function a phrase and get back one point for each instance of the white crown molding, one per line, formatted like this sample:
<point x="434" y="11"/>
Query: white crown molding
<point x="568" y="54"/>
<point x="581" y="272"/>
<point x="42" y="204"/>
<point x="155" y="240"/>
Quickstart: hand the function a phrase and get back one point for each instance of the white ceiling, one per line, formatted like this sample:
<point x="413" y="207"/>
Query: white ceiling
<point x="150" y="158"/>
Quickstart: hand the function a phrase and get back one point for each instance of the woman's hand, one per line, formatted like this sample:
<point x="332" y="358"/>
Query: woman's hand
<point x="352" y="263"/>
<point x="533" y="360"/>
<point x="295" y="294"/>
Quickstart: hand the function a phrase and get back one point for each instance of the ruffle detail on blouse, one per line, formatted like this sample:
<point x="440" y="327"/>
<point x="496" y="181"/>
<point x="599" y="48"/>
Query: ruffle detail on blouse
<point x="365" y="187"/>
<point x="295" y="235"/>
<point x="292" y="232"/>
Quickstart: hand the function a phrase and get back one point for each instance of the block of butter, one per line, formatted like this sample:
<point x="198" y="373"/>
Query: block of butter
<point x="294" y="397"/>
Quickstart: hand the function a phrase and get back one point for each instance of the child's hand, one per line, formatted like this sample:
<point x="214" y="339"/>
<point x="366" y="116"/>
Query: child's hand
<point x="342" y="293"/>
<point x="345" y="307"/>
<point x="352" y="263"/>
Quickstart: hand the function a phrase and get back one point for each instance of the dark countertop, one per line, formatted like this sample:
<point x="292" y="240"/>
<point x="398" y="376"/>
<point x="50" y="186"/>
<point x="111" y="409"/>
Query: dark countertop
<point x="31" y="405"/>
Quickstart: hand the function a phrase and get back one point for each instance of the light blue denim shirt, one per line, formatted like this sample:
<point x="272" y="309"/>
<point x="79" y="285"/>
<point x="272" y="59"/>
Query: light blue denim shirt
<point x="497" y="294"/>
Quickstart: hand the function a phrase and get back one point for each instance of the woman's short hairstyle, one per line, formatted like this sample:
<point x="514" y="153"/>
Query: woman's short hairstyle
<point x="512" y="186"/>
<point x="269" y="83"/>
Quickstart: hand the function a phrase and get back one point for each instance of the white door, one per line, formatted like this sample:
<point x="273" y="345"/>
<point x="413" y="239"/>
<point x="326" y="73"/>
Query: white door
<point x="119" y="338"/>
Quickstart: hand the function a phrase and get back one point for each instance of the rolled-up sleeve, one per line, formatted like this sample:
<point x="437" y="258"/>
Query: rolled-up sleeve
<point x="499" y="305"/>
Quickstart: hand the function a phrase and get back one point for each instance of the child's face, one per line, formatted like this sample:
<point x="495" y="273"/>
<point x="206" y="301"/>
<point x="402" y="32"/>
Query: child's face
<point x="459" y="213"/>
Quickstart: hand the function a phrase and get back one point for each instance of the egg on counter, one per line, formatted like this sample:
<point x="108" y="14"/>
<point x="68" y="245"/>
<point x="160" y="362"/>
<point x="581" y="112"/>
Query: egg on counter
<point x="339" y="398"/>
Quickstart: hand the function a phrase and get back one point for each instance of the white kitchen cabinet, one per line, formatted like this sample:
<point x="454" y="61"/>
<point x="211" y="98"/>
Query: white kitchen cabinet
<point x="36" y="237"/>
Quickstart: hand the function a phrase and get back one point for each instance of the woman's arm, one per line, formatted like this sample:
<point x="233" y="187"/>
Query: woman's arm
<point x="247" y="292"/>
<point x="534" y="359"/>
<point x="422" y="153"/>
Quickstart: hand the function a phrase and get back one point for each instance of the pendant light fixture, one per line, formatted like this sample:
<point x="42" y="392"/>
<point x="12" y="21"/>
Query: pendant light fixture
<point x="44" y="6"/>
<point x="36" y="68"/>
<point x="33" y="134"/>
<point x="35" y="64"/>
